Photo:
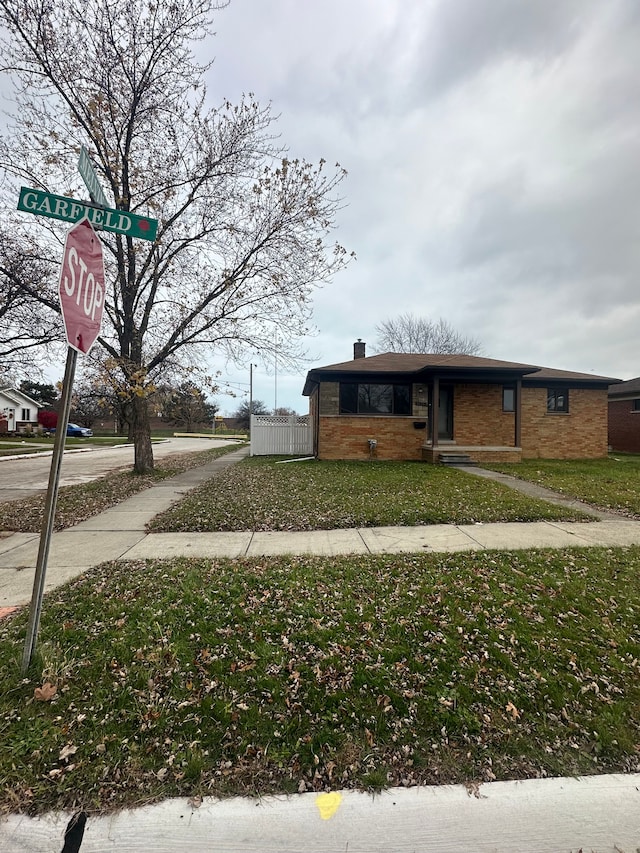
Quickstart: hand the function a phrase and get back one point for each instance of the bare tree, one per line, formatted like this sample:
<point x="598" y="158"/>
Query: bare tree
<point x="26" y="320"/>
<point x="408" y="333"/>
<point x="243" y="228"/>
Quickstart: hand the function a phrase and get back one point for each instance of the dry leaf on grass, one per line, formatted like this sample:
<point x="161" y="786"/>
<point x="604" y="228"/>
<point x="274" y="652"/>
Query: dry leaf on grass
<point x="45" y="693"/>
<point x="511" y="708"/>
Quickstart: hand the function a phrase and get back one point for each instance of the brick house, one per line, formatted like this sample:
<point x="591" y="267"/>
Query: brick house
<point x="624" y="416"/>
<point x="488" y="410"/>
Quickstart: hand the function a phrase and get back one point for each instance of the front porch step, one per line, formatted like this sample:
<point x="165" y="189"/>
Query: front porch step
<point x="456" y="459"/>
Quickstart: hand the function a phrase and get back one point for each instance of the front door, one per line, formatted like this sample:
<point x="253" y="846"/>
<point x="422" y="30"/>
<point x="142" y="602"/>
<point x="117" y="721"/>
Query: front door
<point x="445" y="412"/>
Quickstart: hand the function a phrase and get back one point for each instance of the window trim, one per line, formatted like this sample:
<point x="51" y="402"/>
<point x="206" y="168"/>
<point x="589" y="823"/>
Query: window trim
<point x="26" y="415"/>
<point x="552" y="395"/>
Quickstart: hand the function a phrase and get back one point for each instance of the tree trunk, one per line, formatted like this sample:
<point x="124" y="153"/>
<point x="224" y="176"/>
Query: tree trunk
<point x="141" y="436"/>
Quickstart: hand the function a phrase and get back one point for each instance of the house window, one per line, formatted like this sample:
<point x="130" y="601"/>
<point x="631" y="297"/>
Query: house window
<point x="374" y="399"/>
<point x="635" y="405"/>
<point x="508" y="398"/>
<point x="26" y="415"/>
<point x="557" y="399"/>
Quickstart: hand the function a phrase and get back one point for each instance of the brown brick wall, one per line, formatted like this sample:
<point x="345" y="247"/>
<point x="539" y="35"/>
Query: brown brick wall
<point x="580" y="434"/>
<point x="346" y="437"/>
<point x="624" y="426"/>
<point x="478" y="418"/>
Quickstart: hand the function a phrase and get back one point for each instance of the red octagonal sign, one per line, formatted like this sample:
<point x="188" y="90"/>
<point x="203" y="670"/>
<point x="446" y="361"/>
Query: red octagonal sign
<point x="81" y="286"/>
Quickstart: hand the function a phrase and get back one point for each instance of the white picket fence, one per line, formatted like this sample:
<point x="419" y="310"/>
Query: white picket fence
<point x="281" y="434"/>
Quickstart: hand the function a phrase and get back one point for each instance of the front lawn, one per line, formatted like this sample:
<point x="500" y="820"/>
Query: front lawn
<point x="612" y="483"/>
<point x="259" y="494"/>
<point x="184" y="678"/>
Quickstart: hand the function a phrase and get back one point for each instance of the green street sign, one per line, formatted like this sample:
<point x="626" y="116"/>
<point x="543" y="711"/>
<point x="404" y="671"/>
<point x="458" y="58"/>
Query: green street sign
<point x="71" y="210"/>
<point x="90" y="178"/>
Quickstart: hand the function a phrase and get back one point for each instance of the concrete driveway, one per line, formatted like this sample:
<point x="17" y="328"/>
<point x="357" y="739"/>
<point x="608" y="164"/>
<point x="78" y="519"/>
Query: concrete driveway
<point x="29" y="475"/>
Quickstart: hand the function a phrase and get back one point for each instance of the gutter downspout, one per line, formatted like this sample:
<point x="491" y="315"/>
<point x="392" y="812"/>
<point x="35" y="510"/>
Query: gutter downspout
<point x="316" y="425"/>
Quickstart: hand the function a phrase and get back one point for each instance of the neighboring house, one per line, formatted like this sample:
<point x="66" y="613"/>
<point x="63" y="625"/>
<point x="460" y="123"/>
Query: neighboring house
<point x="624" y="416"/>
<point x="19" y="412"/>
<point x="488" y="410"/>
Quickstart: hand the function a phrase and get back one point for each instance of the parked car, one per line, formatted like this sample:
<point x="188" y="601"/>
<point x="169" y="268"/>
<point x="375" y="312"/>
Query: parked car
<point x="76" y="431"/>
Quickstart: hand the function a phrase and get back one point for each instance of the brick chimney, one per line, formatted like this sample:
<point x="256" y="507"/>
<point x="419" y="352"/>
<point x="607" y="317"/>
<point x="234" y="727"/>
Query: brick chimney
<point x="359" y="349"/>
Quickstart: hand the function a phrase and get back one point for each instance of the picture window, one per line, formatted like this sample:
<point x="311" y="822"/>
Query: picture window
<point x="359" y="398"/>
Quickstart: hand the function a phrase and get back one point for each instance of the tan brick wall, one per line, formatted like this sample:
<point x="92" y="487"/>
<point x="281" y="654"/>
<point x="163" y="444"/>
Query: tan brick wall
<point x="478" y="421"/>
<point x="580" y="434"/>
<point x="346" y="437"/>
<point x="478" y="417"/>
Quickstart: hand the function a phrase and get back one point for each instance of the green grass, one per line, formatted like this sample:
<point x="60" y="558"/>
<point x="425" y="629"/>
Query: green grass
<point x="612" y="483"/>
<point x="44" y="444"/>
<point x="258" y="494"/>
<point x="81" y="501"/>
<point x="20" y="449"/>
<point x="180" y="677"/>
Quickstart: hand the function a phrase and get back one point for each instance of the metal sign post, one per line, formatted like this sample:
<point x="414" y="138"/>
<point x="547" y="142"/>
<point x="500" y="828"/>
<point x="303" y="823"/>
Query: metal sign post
<point x="82" y="293"/>
<point x="81" y="290"/>
<point x="49" y="510"/>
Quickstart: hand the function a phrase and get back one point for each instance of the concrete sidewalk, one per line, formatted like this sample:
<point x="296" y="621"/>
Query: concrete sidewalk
<point x="119" y="534"/>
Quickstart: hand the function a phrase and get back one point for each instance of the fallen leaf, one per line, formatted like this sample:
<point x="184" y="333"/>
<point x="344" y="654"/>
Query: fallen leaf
<point x="511" y="708"/>
<point x="67" y="750"/>
<point x="45" y="693"/>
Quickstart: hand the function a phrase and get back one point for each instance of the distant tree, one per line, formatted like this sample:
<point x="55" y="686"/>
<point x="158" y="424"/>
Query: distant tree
<point x="243" y="413"/>
<point x="408" y="333"/>
<point x="44" y="394"/>
<point x="284" y="411"/>
<point x="187" y="407"/>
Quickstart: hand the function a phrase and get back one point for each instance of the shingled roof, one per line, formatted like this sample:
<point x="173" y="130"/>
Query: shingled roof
<point x="423" y="366"/>
<point x="626" y="389"/>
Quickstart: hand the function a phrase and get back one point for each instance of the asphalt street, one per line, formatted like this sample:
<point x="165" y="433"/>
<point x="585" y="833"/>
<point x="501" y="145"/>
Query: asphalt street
<point x="24" y="476"/>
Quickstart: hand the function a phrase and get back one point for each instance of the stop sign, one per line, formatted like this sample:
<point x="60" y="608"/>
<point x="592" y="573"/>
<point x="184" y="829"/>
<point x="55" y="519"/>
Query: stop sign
<point x="81" y="286"/>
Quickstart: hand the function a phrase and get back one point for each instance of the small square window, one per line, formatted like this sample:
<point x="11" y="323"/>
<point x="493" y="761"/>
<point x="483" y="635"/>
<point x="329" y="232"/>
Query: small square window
<point x="557" y="399"/>
<point x="508" y="399"/>
<point x="26" y="415"/>
<point x="635" y="405"/>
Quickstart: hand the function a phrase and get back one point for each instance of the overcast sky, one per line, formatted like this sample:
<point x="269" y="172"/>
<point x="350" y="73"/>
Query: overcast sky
<point x="493" y="156"/>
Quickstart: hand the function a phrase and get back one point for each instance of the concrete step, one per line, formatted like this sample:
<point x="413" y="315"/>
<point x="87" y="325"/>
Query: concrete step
<point x="456" y="459"/>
